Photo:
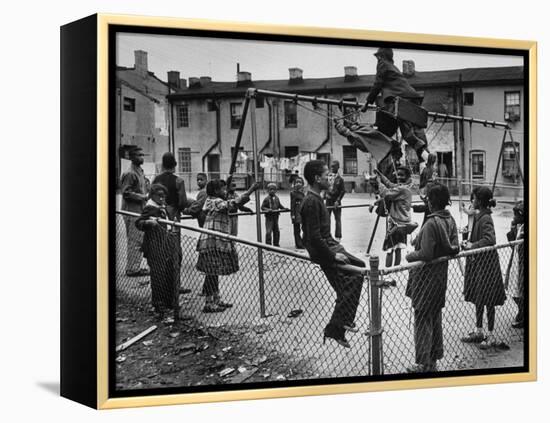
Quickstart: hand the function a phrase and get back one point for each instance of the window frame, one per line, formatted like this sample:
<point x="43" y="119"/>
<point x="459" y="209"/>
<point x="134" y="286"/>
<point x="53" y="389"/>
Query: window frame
<point x="517" y="107"/>
<point x="346" y="150"/>
<point x="184" y="158"/>
<point x="506" y="161"/>
<point x="235" y="119"/>
<point x="290" y="123"/>
<point x="182" y="121"/>
<point x="483" y="154"/>
<point x="132" y="103"/>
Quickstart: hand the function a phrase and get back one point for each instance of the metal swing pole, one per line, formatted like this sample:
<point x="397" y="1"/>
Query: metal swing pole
<point x="499" y="160"/>
<point x="517" y="158"/>
<point x="261" y="280"/>
<point x="239" y="138"/>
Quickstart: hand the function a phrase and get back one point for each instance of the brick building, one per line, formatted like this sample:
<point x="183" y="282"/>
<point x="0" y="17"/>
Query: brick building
<point x="202" y="118"/>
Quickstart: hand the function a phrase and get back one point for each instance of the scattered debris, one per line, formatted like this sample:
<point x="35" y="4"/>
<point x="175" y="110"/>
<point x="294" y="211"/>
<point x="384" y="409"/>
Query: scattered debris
<point x="168" y="320"/>
<point x="136" y="338"/>
<point x="259" y="360"/>
<point x="174" y="334"/>
<point x="188" y="346"/>
<point x="280" y="377"/>
<point x="226" y="349"/>
<point x="121" y="319"/>
<point x="265" y="375"/>
<point x="240" y="378"/>
<point x="241" y="369"/>
<point x="147" y="343"/>
<point x="261" y="329"/>
<point x="226" y="372"/>
<point x="295" y="313"/>
<point x="120" y="359"/>
<point x="203" y="347"/>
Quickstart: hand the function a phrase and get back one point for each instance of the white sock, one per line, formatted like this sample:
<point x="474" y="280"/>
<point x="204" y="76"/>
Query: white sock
<point x="425" y="155"/>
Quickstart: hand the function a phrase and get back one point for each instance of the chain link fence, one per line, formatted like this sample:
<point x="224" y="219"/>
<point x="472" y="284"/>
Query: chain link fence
<point x="281" y="303"/>
<point x="481" y="278"/>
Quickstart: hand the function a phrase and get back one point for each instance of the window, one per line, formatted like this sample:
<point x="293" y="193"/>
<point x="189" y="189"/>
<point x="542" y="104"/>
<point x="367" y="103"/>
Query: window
<point x="351" y="113"/>
<point x="291" y="115"/>
<point x="509" y="159"/>
<point x="325" y="157"/>
<point x="291" y="151"/>
<point x="236" y="115"/>
<point x="129" y="104"/>
<point x="182" y="111"/>
<point x="512" y="106"/>
<point x="477" y="160"/>
<point x="184" y="160"/>
<point x="468" y="99"/>
<point x="350" y="160"/>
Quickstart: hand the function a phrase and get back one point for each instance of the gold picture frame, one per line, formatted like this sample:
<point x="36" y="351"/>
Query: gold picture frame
<point x="94" y="33"/>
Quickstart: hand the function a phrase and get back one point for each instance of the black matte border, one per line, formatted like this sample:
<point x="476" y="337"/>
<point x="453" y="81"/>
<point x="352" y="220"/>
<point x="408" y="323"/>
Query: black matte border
<point x="78" y="361"/>
<point x="114" y="29"/>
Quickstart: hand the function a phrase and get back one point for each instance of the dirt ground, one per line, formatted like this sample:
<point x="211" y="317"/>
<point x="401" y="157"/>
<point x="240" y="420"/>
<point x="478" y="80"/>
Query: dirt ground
<point x="239" y="346"/>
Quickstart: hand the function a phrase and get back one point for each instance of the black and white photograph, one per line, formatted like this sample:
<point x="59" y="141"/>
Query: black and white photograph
<point x="292" y="211"/>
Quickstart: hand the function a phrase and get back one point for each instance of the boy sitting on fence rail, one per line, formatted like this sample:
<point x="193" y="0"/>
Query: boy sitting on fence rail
<point x="324" y="250"/>
<point x="427" y="285"/>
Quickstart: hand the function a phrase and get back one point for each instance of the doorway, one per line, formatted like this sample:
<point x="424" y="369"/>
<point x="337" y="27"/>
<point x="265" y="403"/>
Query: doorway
<point x="213" y="166"/>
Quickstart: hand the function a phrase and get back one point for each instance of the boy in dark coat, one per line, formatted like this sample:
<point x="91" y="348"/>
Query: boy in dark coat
<point x="272" y="206"/>
<point x="324" y="250"/>
<point x="334" y="195"/>
<point x="162" y="249"/>
<point x="391" y="83"/>
<point x="427" y="285"/>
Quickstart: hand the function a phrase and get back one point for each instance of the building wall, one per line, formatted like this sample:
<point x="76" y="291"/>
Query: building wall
<point x="148" y="126"/>
<point x="311" y="130"/>
<point x="489" y="104"/>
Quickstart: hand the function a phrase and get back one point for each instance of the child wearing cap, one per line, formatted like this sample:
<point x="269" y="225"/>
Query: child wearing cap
<point x="272" y="206"/>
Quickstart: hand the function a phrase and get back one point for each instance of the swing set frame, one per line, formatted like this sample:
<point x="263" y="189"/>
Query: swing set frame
<point x="249" y="108"/>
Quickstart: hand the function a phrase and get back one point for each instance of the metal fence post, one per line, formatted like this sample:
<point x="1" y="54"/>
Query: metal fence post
<point x="258" y="210"/>
<point x="375" y="316"/>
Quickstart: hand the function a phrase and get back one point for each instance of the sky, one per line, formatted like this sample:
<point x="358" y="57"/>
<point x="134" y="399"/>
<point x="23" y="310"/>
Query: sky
<point x="218" y="58"/>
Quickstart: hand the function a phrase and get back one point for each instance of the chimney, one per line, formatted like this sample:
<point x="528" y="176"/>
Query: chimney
<point x="140" y="62"/>
<point x="295" y="76"/>
<point x="350" y="73"/>
<point x="183" y="83"/>
<point x="194" y="82"/>
<point x="205" y="80"/>
<point x="244" y="79"/>
<point x="408" y="68"/>
<point x="174" y="79"/>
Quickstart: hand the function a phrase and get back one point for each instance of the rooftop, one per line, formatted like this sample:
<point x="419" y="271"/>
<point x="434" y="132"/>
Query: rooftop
<point x="421" y="80"/>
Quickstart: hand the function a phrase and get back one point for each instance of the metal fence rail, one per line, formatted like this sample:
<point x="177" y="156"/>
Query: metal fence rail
<point x="284" y="312"/>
